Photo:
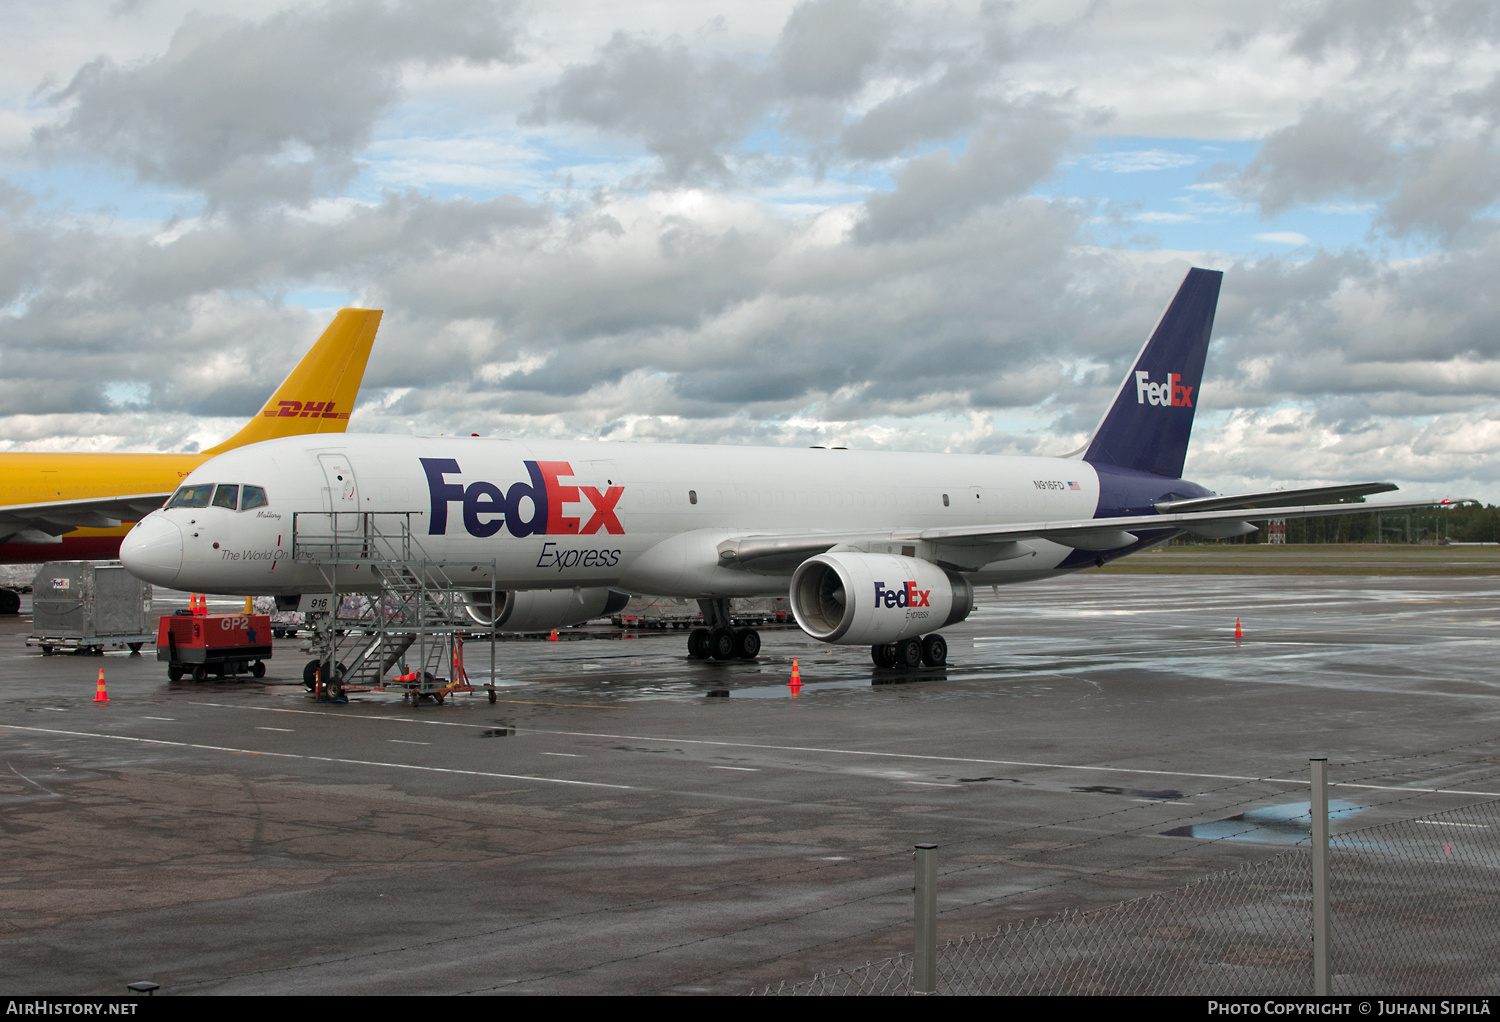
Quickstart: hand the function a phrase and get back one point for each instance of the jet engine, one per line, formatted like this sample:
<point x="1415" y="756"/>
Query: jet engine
<point x="541" y="610"/>
<point x="872" y="599"/>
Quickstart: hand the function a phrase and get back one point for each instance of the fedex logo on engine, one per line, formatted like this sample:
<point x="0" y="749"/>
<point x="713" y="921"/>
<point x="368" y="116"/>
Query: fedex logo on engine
<point x="906" y="596"/>
<point x="532" y="508"/>
<point x="1170" y="394"/>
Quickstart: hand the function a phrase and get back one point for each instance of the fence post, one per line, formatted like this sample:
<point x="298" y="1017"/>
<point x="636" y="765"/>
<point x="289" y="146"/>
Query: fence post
<point x="924" y="971"/>
<point x="1320" y="876"/>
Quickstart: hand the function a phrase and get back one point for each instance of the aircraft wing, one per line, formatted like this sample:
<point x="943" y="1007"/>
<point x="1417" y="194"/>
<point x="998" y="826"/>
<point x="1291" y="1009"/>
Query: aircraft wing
<point x="44" y="522"/>
<point x="772" y="553"/>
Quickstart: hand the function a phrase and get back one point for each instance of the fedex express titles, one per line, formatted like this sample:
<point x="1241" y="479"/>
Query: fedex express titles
<point x="486" y="508"/>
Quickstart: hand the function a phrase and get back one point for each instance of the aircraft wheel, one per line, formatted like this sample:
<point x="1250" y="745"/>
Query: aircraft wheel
<point x="492" y="695"/>
<point x="747" y="644"/>
<point x="909" y="654"/>
<point x="698" y="644"/>
<point x="934" y="650"/>
<point x="10" y="601"/>
<point x="200" y="673"/>
<point x="721" y="644"/>
<point x="310" y="674"/>
<point x="258" y="669"/>
<point x="883" y="654"/>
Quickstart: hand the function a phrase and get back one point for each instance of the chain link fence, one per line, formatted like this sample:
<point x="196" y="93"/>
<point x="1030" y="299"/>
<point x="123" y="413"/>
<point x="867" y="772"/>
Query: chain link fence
<point x="1416" y="905"/>
<point x="1415" y="910"/>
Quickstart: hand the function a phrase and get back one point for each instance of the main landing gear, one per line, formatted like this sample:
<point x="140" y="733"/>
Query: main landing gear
<point x="912" y="653"/>
<point x="719" y="641"/>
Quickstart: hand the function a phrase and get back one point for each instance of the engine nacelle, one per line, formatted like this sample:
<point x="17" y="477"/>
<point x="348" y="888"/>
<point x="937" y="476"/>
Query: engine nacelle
<point x="541" y="610"/>
<point x="871" y="599"/>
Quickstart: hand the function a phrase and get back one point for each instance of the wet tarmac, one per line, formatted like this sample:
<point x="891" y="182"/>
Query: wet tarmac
<point x="617" y="823"/>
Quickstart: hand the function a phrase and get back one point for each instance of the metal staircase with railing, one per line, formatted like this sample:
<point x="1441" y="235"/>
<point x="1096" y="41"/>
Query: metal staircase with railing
<point x="401" y="599"/>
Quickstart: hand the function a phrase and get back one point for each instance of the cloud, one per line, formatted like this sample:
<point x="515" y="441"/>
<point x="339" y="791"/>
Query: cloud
<point x="1283" y="238"/>
<point x="1001" y="161"/>
<point x="686" y="110"/>
<point x="1437" y="188"/>
<point x="1444" y="188"/>
<point x="928" y="111"/>
<point x="1389" y="30"/>
<point x="270" y="111"/>
<point x="827" y="47"/>
<point x="1327" y="154"/>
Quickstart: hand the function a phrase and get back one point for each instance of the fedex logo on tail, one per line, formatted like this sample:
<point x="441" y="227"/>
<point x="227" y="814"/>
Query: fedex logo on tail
<point x="534" y="508"/>
<point x="907" y="596"/>
<point x="1170" y="394"/>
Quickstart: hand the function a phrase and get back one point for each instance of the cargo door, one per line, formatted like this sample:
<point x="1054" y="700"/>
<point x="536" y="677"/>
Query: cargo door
<point x="341" y="495"/>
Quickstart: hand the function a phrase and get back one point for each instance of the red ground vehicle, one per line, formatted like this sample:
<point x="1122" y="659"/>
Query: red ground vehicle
<point x="218" y="643"/>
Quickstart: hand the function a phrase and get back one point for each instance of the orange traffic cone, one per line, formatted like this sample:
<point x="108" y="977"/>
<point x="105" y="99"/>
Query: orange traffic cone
<point x="553" y="636"/>
<point x="796" y="681"/>
<point x="101" y="696"/>
<point x="1238" y="632"/>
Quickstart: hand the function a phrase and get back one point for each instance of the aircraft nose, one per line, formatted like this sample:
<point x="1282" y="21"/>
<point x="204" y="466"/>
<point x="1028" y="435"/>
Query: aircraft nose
<point x="153" y="550"/>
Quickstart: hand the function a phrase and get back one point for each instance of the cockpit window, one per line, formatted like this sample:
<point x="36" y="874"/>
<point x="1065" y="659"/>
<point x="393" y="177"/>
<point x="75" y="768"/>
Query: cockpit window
<point x="254" y="496"/>
<point x="192" y="496"/>
<point x="226" y="495"/>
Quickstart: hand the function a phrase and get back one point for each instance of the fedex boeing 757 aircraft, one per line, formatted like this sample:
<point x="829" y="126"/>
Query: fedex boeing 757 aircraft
<point x="872" y="547"/>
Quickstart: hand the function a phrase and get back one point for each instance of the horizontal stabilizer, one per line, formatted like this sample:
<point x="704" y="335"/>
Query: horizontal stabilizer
<point x="1273" y="498"/>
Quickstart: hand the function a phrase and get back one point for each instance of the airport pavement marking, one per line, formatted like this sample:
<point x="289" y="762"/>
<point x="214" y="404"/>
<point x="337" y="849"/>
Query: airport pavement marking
<point x="320" y="759"/>
<point x="816" y="749"/>
<point x="1008" y="762"/>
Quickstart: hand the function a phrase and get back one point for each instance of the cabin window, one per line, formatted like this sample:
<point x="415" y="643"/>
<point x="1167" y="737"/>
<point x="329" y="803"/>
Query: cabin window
<point x="692" y="496"/>
<point x="254" y="496"/>
<point x="192" y="496"/>
<point x="227" y="496"/>
<point x="945" y="500"/>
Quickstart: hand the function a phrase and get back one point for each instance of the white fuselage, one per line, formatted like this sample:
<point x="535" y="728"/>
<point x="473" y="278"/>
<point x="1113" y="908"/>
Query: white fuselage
<point x="645" y="518"/>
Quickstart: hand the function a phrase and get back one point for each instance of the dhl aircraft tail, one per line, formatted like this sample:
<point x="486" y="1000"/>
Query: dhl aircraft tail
<point x="319" y="393"/>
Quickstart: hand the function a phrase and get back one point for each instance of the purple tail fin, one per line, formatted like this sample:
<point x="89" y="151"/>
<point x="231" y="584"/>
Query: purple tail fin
<point x="1148" y="426"/>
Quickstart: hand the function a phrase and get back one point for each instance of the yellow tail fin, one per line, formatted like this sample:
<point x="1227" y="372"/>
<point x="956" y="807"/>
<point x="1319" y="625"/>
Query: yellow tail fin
<point x="319" y="394"/>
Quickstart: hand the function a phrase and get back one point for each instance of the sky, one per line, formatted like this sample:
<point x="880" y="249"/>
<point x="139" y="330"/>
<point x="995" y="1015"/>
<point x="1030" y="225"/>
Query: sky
<point x="924" y="226"/>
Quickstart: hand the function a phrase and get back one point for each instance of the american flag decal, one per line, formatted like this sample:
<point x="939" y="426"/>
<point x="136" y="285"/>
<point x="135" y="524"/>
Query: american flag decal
<point x="1073" y="486"/>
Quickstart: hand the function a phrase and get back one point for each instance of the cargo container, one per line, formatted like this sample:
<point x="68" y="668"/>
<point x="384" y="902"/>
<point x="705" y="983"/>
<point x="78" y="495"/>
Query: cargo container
<point x="89" y="606"/>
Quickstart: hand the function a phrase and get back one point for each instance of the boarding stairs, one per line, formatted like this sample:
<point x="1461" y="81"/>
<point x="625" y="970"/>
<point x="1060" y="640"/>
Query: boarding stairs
<point x="409" y="634"/>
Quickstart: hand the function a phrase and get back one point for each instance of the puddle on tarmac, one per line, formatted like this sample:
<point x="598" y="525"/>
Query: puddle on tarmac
<point x="1286" y="824"/>
<point x="1108" y="789"/>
